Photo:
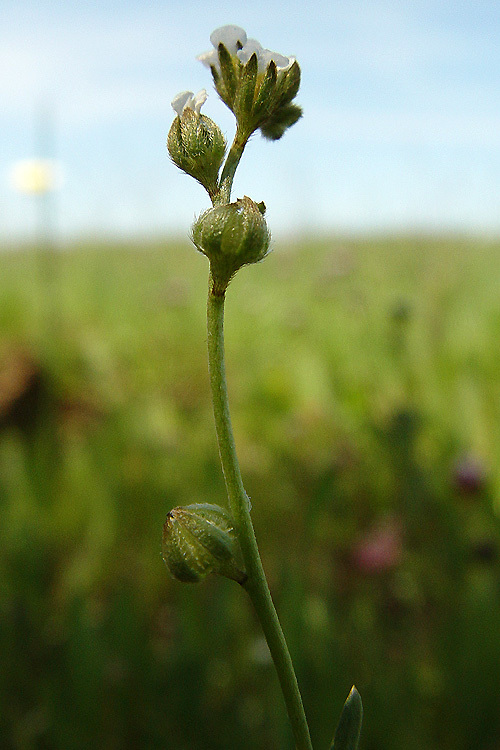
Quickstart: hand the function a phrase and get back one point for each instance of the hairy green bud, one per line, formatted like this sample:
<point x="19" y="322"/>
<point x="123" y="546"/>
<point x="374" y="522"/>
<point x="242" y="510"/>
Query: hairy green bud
<point x="197" y="146"/>
<point x="231" y="236"/>
<point x="199" y="539"/>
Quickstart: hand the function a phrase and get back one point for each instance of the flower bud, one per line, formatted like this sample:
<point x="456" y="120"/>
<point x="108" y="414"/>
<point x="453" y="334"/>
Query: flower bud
<point x="197" y="146"/>
<point x="231" y="236"/>
<point x="199" y="539"/>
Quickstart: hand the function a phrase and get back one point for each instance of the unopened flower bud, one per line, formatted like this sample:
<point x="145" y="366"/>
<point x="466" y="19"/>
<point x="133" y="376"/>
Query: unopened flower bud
<point x="199" y="539"/>
<point x="231" y="236"/>
<point x="195" y="143"/>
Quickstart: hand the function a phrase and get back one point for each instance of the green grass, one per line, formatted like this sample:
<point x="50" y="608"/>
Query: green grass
<point x="360" y="372"/>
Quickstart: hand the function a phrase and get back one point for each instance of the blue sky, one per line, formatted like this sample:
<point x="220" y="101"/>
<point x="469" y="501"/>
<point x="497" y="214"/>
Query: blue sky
<point x="401" y="126"/>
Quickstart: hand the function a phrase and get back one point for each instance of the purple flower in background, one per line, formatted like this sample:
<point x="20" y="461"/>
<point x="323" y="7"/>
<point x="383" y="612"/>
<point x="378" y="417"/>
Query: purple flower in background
<point x="469" y="475"/>
<point x="380" y="549"/>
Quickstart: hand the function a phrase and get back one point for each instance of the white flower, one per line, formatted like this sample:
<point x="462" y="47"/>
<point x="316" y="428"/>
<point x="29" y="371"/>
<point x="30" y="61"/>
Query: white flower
<point x="210" y="59"/>
<point x="236" y="42"/>
<point x="281" y="61"/>
<point x="232" y="37"/>
<point x="264" y="56"/>
<point x="188" y="99"/>
<point x="251" y="46"/>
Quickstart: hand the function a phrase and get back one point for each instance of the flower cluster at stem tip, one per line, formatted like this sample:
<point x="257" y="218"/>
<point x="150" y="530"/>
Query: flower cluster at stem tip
<point x="259" y="87"/>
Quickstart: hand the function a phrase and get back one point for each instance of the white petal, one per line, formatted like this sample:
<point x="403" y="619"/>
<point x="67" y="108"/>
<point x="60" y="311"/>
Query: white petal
<point x="251" y="46"/>
<point x="180" y="101"/>
<point x="209" y="59"/>
<point x="232" y="37"/>
<point x="280" y="61"/>
<point x="198" y="101"/>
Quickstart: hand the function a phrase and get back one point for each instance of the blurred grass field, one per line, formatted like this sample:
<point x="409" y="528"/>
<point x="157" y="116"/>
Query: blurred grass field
<point x="364" y="377"/>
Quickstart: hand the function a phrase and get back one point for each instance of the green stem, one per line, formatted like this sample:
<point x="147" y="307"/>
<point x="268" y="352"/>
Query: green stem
<point x="256" y="584"/>
<point x="232" y="161"/>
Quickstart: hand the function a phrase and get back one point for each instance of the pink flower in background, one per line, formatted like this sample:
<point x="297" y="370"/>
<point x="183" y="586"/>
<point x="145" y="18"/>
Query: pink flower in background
<point x="380" y="548"/>
<point x="469" y="475"/>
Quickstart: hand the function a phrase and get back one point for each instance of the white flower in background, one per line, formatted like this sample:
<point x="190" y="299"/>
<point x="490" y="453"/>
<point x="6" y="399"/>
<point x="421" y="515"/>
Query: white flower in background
<point x="236" y="42"/>
<point x="188" y="99"/>
<point x="36" y="176"/>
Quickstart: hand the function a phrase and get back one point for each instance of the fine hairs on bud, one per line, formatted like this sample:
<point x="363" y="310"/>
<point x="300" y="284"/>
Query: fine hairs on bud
<point x="199" y="539"/>
<point x="232" y="236"/>
<point x="197" y="146"/>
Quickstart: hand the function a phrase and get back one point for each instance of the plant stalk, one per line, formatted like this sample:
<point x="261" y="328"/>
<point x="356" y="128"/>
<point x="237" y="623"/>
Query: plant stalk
<point x="232" y="161"/>
<point x="256" y="584"/>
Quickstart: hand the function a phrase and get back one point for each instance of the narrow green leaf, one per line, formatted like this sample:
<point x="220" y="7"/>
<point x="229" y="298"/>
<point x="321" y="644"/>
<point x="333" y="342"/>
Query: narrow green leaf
<point x="290" y="84"/>
<point x="265" y="100"/>
<point x="228" y="74"/>
<point x="287" y="85"/>
<point x="215" y="75"/>
<point x="220" y="87"/>
<point x="245" y="95"/>
<point x="349" y="726"/>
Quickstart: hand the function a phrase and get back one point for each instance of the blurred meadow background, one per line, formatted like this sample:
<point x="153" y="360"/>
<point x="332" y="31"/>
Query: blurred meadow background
<point x="363" y="368"/>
